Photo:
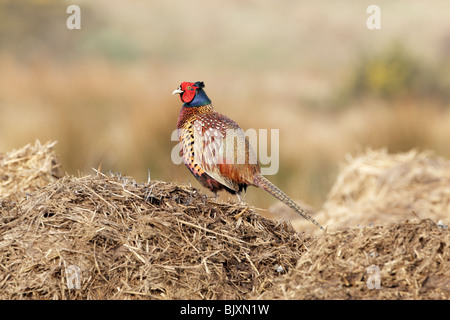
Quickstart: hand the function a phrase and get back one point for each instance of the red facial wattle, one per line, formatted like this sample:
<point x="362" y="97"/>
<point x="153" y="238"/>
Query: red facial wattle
<point x="189" y="91"/>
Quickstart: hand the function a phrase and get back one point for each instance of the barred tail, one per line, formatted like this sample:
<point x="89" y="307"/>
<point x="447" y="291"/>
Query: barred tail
<point x="265" y="184"/>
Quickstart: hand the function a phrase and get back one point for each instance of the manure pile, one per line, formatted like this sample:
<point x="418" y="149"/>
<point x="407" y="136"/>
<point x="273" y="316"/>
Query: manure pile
<point x="24" y="170"/>
<point x="380" y="188"/>
<point x="128" y="241"/>
<point x="408" y="260"/>
<point x="104" y="236"/>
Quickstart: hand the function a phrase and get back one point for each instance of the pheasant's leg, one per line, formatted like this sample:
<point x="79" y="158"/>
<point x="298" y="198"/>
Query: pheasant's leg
<point x="240" y="197"/>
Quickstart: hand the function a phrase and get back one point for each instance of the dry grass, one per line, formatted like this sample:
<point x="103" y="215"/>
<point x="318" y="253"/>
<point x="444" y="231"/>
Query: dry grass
<point x="380" y="188"/>
<point x="156" y="240"/>
<point x="159" y="240"/>
<point x="376" y="187"/>
<point x="24" y="170"/>
<point x="413" y="259"/>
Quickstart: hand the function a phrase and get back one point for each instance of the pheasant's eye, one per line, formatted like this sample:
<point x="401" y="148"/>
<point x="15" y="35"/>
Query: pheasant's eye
<point x="189" y="88"/>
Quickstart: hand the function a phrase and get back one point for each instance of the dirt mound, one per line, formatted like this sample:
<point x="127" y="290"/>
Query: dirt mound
<point x="108" y="237"/>
<point x="408" y="260"/>
<point x="158" y="240"/>
<point x="381" y="188"/>
<point x="28" y="168"/>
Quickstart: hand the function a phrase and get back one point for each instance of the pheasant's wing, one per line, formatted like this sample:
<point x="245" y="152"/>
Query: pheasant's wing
<point x="187" y="141"/>
<point x="223" y="151"/>
<point x="209" y="151"/>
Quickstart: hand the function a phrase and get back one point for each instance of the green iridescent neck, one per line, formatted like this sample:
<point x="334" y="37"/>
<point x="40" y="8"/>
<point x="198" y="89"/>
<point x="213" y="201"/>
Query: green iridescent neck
<point x="201" y="99"/>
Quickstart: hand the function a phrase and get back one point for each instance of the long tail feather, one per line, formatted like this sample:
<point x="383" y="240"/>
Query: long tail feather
<point x="268" y="186"/>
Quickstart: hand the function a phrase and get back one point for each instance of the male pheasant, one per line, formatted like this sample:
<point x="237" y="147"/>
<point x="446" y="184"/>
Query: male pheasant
<point x="216" y="150"/>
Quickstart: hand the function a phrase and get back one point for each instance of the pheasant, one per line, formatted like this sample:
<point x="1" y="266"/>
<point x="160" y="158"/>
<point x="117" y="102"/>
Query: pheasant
<point x="216" y="150"/>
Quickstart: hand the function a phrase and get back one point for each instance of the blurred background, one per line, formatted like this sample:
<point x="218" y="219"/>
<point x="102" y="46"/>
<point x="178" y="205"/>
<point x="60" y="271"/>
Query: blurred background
<point x="313" y="70"/>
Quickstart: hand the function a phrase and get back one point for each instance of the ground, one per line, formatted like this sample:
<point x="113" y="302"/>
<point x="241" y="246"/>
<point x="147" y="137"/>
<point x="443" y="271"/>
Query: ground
<point x="105" y="236"/>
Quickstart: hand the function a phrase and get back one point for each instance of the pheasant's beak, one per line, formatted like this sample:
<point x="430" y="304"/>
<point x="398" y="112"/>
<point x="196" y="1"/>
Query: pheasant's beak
<point x="178" y="90"/>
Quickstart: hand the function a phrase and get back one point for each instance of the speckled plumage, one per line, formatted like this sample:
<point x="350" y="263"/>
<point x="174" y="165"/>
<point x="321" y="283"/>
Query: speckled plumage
<point x="216" y="151"/>
<point x="207" y="138"/>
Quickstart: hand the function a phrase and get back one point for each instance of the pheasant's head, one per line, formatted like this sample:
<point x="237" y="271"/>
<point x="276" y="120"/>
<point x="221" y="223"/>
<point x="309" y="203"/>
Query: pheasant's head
<point x="192" y="94"/>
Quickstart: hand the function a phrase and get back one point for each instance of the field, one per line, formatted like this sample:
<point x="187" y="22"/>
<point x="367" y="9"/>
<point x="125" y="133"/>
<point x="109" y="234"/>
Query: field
<point x="364" y="126"/>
